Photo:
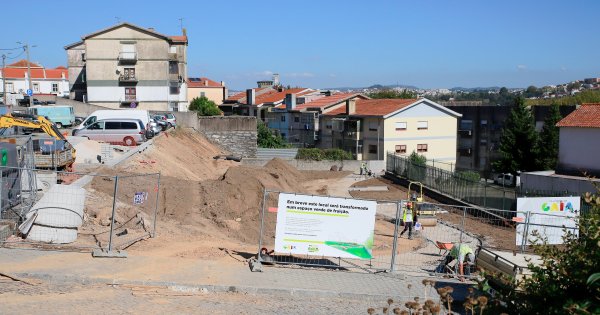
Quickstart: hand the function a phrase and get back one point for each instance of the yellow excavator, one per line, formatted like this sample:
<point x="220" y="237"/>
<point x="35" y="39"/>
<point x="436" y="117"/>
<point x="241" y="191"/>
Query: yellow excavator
<point x="61" y="159"/>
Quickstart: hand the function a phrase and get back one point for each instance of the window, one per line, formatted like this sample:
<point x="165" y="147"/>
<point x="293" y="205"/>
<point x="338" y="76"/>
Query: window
<point x="97" y="126"/>
<point x="296" y="119"/>
<point x="328" y="125"/>
<point x="174" y="88"/>
<point x="130" y="94"/>
<point x="373" y="126"/>
<point x="10" y="88"/>
<point x="466" y="124"/>
<point x="128" y="51"/>
<point x="373" y="148"/>
<point x="112" y="125"/>
<point x="128" y="125"/>
<point x="283" y="135"/>
<point x="422" y="125"/>
<point x="401" y="148"/>
<point x="202" y="94"/>
<point x="173" y="68"/>
<point x="129" y="73"/>
<point x="421" y="148"/>
<point x="400" y="125"/>
<point x="36" y="87"/>
<point x="54" y="87"/>
<point x="173" y="49"/>
<point x="282" y="118"/>
<point x="82" y="56"/>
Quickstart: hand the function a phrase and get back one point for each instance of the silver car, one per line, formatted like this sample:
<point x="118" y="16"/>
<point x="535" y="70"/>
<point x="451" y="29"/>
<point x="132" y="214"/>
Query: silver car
<point x="128" y="132"/>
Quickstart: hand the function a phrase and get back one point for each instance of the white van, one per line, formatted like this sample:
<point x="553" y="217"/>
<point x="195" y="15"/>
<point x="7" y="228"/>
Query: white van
<point x="140" y="114"/>
<point x="124" y="131"/>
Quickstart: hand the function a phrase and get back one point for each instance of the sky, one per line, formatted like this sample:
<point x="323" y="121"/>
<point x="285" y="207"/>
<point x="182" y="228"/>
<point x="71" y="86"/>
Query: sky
<point x="327" y="44"/>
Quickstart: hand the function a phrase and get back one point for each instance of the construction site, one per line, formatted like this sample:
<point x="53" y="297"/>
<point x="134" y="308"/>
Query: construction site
<point x="168" y="220"/>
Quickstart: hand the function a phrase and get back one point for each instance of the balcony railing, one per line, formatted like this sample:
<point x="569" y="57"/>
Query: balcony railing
<point x="127" y="56"/>
<point x="130" y="98"/>
<point x="127" y="78"/>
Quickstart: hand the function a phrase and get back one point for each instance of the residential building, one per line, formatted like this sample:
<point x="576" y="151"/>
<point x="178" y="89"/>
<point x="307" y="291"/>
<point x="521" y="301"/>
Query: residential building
<point x="579" y="145"/>
<point x="371" y="127"/>
<point x="128" y="66"/>
<point x="43" y="81"/>
<point x="297" y="120"/>
<point x="257" y="102"/>
<point x="214" y="91"/>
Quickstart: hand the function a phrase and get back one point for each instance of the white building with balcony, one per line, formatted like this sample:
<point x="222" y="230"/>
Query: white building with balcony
<point x="127" y="66"/>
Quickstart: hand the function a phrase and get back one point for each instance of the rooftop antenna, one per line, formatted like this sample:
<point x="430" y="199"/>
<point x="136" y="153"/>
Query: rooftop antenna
<point x="181" y="24"/>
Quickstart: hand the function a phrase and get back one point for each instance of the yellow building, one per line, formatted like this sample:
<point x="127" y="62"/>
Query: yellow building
<point x="371" y="128"/>
<point x="214" y="91"/>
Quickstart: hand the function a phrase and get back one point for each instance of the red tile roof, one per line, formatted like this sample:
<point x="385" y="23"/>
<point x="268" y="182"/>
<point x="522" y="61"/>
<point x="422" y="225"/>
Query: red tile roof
<point x="179" y="38"/>
<point x="586" y="116"/>
<point x="202" y="83"/>
<point x="326" y="101"/>
<point x="23" y="64"/>
<point x="19" y="73"/>
<point x="269" y="95"/>
<point x="375" y="107"/>
<point x="242" y="95"/>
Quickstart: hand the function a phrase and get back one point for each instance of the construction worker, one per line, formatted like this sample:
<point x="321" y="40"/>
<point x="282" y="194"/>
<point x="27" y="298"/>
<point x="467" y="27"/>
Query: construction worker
<point x="464" y="254"/>
<point x="408" y="217"/>
<point x="363" y="168"/>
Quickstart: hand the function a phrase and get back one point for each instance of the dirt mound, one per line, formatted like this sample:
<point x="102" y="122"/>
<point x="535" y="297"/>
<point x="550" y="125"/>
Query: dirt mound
<point x="184" y="154"/>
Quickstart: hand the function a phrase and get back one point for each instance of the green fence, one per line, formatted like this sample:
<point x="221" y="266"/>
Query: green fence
<point x="478" y="193"/>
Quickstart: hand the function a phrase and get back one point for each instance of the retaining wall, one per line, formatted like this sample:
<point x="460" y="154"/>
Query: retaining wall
<point x="235" y="134"/>
<point x="304" y="165"/>
<point x="80" y="108"/>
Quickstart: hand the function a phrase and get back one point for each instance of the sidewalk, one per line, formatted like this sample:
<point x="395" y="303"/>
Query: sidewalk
<point x="225" y="275"/>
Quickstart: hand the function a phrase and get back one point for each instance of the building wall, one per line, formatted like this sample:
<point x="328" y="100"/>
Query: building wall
<point x="214" y="94"/>
<point x="76" y="66"/>
<point x="440" y="135"/>
<point x="579" y="151"/>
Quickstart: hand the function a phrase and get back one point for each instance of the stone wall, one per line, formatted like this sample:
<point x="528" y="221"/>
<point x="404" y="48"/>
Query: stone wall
<point x="234" y="134"/>
<point x="377" y="166"/>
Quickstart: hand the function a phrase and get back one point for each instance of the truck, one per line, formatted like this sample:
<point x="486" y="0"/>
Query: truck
<point x="61" y="115"/>
<point x="508" y="180"/>
<point x="54" y="152"/>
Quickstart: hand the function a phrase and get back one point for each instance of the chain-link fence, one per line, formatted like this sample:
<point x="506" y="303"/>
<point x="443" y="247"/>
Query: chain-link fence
<point x="79" y="211"/>
<point x="420" y="248"/>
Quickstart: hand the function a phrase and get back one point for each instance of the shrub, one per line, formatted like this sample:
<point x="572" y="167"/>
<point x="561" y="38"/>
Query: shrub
<point x="315" y="154"/>
<point x="204" y="107"/>
<point x="470" y="176"/>
<point x="312" y="154"/>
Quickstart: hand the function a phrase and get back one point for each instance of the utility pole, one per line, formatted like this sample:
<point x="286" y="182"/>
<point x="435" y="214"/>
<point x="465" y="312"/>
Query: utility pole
<point x="181" y="24"/>
<point x="4" y="79"/>
<point x="26" y="47"/>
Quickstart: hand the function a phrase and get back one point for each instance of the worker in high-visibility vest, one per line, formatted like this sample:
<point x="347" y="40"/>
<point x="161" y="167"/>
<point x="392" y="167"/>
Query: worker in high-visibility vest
<point x="464" y="254"/>
<point x="408" y="218"/>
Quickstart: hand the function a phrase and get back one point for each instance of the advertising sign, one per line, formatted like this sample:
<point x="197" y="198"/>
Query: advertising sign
<point x="548" y="216"/>
<point x="325" y="226"/>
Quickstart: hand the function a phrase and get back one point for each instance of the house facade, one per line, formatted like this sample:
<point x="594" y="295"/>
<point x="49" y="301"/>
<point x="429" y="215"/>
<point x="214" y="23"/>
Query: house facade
<point x="127" y="66"/>
<point x="579" y="144"/>
<point x="369" y="128"/>
<point x="214" y="91"/>
<point x="43" y="81"/>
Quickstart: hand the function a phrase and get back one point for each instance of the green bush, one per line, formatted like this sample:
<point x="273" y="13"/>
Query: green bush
<point x="315" y="154"/>
<point x="266" y="138"/>
<point x="470" y="176"/>
<point x="204" y="107"/>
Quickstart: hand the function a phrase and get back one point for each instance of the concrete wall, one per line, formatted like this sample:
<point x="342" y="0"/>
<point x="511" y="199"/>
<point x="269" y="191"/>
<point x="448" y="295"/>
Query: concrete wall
<point x="234" y="134"/>
<point x="548" y="180"/>
<point x="81" y="109"/>
<point x="579" y="151"/>
<point x="304" y="165"/>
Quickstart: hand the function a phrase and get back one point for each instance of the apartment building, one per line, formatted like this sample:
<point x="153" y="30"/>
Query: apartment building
<point x="371" y="127"/>
<point x="297" y="120"/>
<point x="43" y="81"/>
<point x="128" y="66"/>
<point x="214" y="91"/>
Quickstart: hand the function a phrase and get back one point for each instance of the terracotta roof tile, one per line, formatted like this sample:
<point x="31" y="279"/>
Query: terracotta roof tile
<point x="586" y="116"/>
<point x="23" y="64"/>
<point x="202" y="82"/>
<point x="269" y="95"/>
<point x="375" y="107"/>
<point x="19" y="73"/>
<point x="179" y="38"/>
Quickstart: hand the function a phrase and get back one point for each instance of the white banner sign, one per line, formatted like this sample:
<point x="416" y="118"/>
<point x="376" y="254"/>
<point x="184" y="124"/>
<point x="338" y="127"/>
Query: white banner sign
<point x="547" y="216"/>
<point x="325" y="226"/>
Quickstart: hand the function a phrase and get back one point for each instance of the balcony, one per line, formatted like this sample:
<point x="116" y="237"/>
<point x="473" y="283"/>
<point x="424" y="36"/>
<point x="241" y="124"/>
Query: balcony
<point x="127" y="57"/>
<point x="127" y="78"/>
<point x="465" y="132"/>
<point x="130" y="98"/>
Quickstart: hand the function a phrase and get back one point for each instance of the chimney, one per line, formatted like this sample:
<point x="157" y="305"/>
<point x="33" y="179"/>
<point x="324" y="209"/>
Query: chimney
<point x="290" y="101"/>
<point x="205" y="82"/>
<point x="222" y="83"/>
<point x="275" y="79"/>
<point x="250" y="96"/>
<point x="350" y="107"/>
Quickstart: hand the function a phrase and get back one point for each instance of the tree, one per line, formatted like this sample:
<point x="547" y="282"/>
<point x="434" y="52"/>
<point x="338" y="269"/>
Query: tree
<point x="548" y="141"/>
<point x="389" y="93"/>
<point x="204" y="107"/>
<point x="266" y="138"/>
<point x="518" y="143"/>
<point x="565" y="280"/>
<point x="503" y="91"/>
<point x="417" y="167"/>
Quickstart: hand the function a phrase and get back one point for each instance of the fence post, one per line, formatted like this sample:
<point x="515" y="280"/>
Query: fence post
<point x="525" y="231"/>
<point x="485" y="194"/>
<point x="112" y="219"/>
<point x="156" y="206"/>
<point x="262" y="223"/>
<point x="395" y="244"/>
<point x="503" y="197"/>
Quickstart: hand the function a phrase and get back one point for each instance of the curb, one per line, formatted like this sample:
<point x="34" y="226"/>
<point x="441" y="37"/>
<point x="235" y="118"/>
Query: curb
<point x="212" y="288"/>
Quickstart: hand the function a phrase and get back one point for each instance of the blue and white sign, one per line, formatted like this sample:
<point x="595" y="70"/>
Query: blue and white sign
<point x="29" y="92"/>
<point x="140" y="197"/>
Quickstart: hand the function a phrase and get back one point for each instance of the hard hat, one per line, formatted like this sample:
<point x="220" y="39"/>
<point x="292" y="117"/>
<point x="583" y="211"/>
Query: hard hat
<point x="409" y="204"/>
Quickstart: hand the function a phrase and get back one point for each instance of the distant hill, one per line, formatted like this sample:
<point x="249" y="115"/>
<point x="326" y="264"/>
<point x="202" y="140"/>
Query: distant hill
<point x="375" y="86"/>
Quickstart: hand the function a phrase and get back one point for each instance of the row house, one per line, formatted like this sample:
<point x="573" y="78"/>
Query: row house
<point x="44" y="82"/>
<point x="199" y="87"/>
<point x="128" y="66"/>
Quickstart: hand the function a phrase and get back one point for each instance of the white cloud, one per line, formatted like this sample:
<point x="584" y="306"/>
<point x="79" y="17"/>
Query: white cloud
<point x="300" y="75"/>
<point x="521" y="67"/>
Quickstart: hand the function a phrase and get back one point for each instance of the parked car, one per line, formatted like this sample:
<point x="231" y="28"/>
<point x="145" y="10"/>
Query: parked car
<point x="78" y="120"/>
<point x="171" y="120"/>
<point x="129" y="132"/>
<point x="155" y="127"/>
<point x="25" y="101"/>
<point x="161" y="122"/>
<point x="507" y="179"/>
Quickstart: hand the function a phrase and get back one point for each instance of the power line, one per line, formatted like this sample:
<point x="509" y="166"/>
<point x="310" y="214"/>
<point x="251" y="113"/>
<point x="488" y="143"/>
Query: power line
<point x="17" y="56"/>
<point x="12" y="48"/>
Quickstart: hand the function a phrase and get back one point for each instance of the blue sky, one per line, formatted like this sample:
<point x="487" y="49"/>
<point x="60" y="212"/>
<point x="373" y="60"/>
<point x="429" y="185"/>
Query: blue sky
<point x="426" y="43"/>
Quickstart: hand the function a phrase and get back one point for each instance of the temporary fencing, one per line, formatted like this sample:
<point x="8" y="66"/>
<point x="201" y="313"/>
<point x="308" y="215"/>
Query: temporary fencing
<point x="437" y="229"/>
<point x="76" y="210"/>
